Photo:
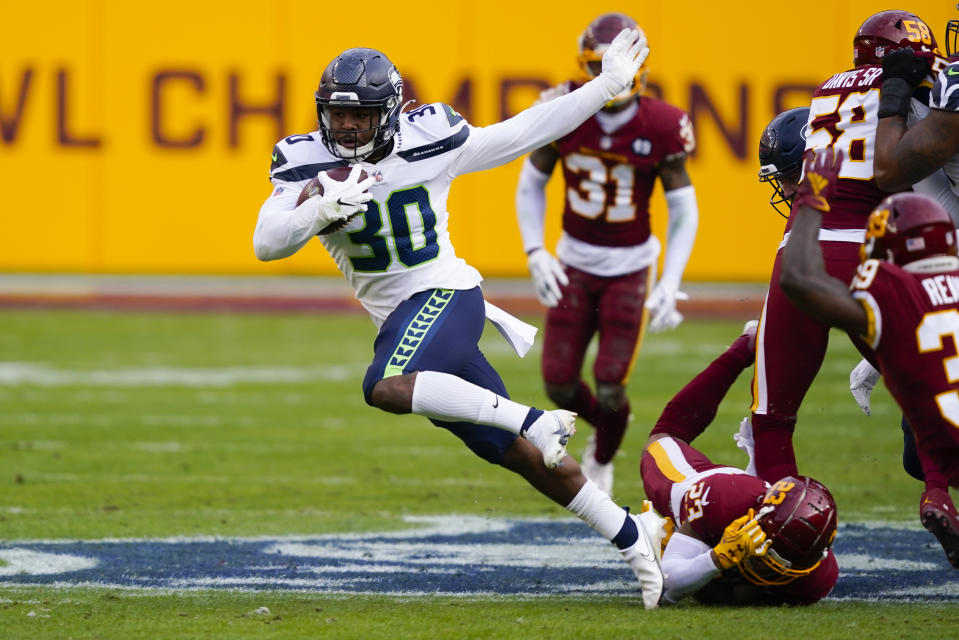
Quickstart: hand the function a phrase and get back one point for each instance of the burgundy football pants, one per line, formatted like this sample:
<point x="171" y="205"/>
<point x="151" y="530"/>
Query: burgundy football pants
<point x="613" y="308"/>
<point x="790" y="348"/>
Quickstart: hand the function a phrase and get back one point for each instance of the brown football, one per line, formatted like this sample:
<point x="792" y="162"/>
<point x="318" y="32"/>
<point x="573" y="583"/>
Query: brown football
<point x="315" y="188"/>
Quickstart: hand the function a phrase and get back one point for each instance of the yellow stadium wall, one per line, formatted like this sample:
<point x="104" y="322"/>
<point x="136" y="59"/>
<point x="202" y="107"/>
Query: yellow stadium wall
<point x="138" y="141"/>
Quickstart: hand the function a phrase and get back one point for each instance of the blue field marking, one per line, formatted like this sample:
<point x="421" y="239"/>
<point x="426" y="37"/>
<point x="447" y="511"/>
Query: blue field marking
<point x="444" y="555"/>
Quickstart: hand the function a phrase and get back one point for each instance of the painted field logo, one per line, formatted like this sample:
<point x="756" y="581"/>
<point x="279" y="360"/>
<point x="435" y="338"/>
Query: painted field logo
<point x="447" y="555"/>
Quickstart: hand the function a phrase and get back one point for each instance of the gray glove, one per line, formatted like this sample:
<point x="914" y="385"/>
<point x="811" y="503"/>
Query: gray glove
<point x="862" y="380"/>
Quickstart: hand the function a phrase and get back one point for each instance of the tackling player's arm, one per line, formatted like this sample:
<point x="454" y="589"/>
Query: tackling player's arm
<point x="904" y="156"/>
<point x="804" y="278"/>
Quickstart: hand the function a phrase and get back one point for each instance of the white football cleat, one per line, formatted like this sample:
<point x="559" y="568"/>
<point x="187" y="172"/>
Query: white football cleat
<point x="645" y="556"/>
<point x="600" y="474"/>
<point x="550" y="433"/>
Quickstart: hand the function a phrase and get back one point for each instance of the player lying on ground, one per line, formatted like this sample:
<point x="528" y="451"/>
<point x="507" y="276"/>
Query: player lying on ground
<point x="738" y="540"/>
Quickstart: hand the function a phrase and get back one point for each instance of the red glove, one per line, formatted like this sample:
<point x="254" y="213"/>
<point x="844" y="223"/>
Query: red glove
<point x="820" y="176"/>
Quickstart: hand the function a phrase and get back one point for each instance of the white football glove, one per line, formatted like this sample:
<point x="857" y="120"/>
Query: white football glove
<point x="548" y="275"/>
<point x="662" y="307"/>
<point x="340" y="200"/>
<point x="862" y="380"/>
<point x="744" y="440"/>
<point x="624" y="56"/>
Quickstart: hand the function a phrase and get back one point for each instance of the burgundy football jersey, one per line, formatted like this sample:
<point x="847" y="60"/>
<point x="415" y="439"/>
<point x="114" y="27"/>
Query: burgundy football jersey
<point x="711" y="495"/>
<point x="714" y="496"/>
<point x="610" y="177"/>
<point x="914" y="331"/>
<point x="844" y="113"/>
<point x="712" y="503"/>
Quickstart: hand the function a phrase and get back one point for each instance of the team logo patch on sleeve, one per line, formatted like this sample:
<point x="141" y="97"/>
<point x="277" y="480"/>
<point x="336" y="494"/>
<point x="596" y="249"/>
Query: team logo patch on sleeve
<point x="451" y="116"/>
<point x="278" y="159"/>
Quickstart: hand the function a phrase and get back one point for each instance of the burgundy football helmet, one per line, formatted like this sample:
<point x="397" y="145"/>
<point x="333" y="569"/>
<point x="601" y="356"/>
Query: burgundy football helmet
<point x="888" y="30"/>
<point x="906" y="227"/>
<point x="798" y="515"/>
<point x="594" y="41"/>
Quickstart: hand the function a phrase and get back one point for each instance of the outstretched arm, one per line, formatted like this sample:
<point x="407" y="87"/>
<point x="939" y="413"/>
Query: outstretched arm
<point x="804" y="278"/>
<point x="539" y="125"/>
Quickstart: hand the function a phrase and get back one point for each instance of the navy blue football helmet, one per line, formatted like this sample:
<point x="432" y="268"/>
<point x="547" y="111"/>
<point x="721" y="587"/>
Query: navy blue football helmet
<point x="360" y="78"/>
<point x="780" y="154"/>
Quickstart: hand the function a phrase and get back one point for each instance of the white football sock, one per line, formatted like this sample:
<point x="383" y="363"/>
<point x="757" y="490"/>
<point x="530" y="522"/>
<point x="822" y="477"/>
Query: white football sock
<point x="442" y="396"/>
<point x="598" y="510"/>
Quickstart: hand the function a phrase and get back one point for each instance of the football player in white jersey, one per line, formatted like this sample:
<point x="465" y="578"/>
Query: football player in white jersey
<point x="388" y="235"/>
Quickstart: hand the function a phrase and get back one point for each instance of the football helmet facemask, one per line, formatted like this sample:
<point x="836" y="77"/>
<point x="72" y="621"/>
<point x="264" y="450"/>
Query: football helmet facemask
<point x="781" y="149"/>
<point x="360" y="78"/>
<point x="594" y="41"/>
<point x="906" y="227"/>
<point x="888" y="30"/>
<point x="798" y="515"/>
<point x="952" y="38"/>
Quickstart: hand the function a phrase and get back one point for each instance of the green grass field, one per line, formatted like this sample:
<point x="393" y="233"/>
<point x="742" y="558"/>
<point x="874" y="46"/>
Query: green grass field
<point x="125" y="425"/>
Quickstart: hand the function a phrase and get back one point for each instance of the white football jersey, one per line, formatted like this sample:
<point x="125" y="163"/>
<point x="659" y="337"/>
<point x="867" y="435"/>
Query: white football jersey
<point x="942" y="185"/>
<point x="400" y="245"/>
<point x="945" y="96"/>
